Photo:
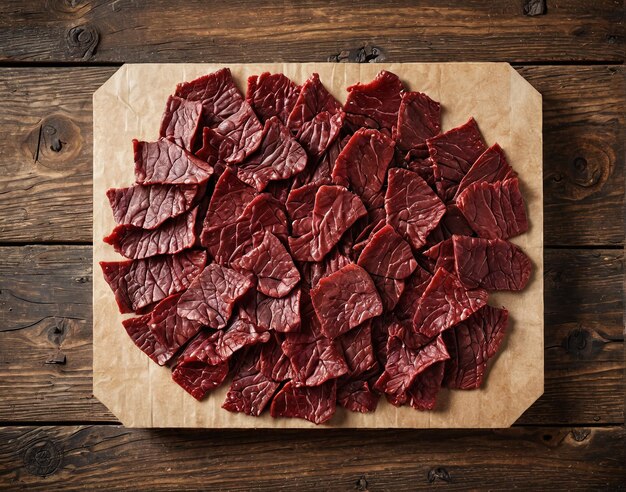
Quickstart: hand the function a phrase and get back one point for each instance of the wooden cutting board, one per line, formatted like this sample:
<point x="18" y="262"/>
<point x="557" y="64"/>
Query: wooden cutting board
<point x="508" y="110"/>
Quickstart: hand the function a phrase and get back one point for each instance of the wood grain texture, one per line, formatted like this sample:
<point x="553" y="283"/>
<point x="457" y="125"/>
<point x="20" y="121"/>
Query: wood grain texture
<point x="45" y="311"/>
<point x="260" y="31"/>
<point x="49" y="199"/>
<point x="112" y="458"/>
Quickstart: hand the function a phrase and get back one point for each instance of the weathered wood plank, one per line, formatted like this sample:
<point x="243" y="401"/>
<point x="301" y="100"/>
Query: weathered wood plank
<point x="45" y="313"/>
<point x="49" y="199"/>
<point x="112" y="458"/>
<point x="158" y="31"/>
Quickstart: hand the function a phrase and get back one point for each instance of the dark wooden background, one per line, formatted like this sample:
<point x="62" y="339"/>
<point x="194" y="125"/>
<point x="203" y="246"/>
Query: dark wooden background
<point x="55" y="53"/>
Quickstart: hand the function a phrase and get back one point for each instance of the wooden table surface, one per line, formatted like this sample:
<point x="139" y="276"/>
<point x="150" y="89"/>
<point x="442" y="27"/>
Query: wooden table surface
<point x="55" y="53"/>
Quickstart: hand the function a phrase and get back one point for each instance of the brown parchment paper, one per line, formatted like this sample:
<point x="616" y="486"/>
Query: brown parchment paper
<point x="508" y="110"/>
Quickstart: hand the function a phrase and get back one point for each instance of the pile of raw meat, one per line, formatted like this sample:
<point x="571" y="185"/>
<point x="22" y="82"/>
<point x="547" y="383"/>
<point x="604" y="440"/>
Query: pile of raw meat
<point x="313" y="253"/>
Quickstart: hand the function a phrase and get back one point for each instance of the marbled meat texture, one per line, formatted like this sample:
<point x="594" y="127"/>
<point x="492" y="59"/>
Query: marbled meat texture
<point x="419" y="118"/>
<point x="492" y="264"/>
<point x="279" y="156"/>
<point x="453" y="154"/>
<point x="444" y="303"/>
<point x="470" y="344"/>
<point x="164" y="162"/>
<point x="270" y="313"/>
<point x="272" y="95"/>
<point x="140" y="283"/>
<point x="169" y="328"/>
<point x="345" y="299"/>
<point x="376" y="104"/>
<point x="491" y="166"/>
<point x="138" y="330"/>
<point x="362" y="164"/>
<point x="316" y="404"/>
<point x="173" y="236"/>
<point x="147" y="207"/>
<point x="316" y="118"/>
<point x="412" y="208"/>
<point x="272" y="265"/>
<point x="181" y="122"/>
<point x="494" y="210"/>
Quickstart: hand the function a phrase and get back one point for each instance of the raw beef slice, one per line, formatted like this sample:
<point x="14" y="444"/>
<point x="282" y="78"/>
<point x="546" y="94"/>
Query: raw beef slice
<point x="335" y="210"/>
<point x="494" y="210"/>
<point x="419" y="118"/>
<point x="173" y="236"/>
<point x="412" y="208"/>
<point x="492" y="264"/>
<point x="273" y="267"/>
<point x="211" y="296"/>
<point x="272" y="95"/>
<point x="280" y="156"/>
<point x="345" y="299"/>
<point x="139" y="283"/>
<point x="470" y="344"/>
<point x="375" y="105"/>
<point x="422" y="394"/>
<point x="147" y="207"/>
<point x="453" y="154"/>
<point x="316" y="118"/>
<point x="269" y="313"/>
<point x="316" y="404"/>
<point x="164" y="162"/>
<point x="139" y="332"/>
<point x="170" y="329"/>
<point x="490" y="167"/>
<point x="445" y="303"/>
<point x="181" y="121"/>
<point x="362" y="164"/>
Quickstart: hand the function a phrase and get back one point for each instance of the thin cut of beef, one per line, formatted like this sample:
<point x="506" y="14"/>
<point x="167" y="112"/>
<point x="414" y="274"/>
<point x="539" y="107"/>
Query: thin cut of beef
<point x="388" y="255"/>
<point x="490" y="167"/>
<point x="314" y="358"/>
<point x="273" y="362"/>
<point x="316" y="118"/>
<point x="181" y="122"/>
<point x="335" y="210"/>
<point x="215" y="347"/>
<point x="316" y="404"/>
<point x="230" y="198"/>
<point x="358" y="350"/>
<point x="494" y="210"/>
<point x="356" y="395"/>
<point x="413" y="209"/>
<point x="194" y="374"/>
<point x="164" y="162"/>
<point x="390" y="290"/>
<point x="218" y="93"/>
<point x="493" y="264"/>
<point x="443" y="255"/>
<point x="279" y="156"/>
<point x="320" y="171"/>
<point x="211" y="296"/>
<point x="251" y="391"/>
<point x="272" y="95"/>
<point x="404" y="364"/>
<point x="263" y="214"/>
<point x="362" y="164"/>
<point x="139" y="332"/>
<point x="376" y="104"/>
<point x="273" y="267"/>
<point x="452" y="222"/>
<point x="418" y="160"/>
<point x="313" y="272"/>
<point x="470" y="344"/>
<point x="147" y="207"/>
<point x="271" y="313"/>
<point x="235" y="138"/>
<point x="445" y="303"/>
<point x="170" y="329"/>
<point x="419" y="118"/>
<point x="453" y="154"/>
<point x="173" y="236"/>
<point x="414" y="287"/>
<point x="139" y="283"/>
<point x="345" y="299"/>
<point x="422" y="394"/>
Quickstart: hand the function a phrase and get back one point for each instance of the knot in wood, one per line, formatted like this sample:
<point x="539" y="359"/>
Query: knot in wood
<point x="581" y="172"/>
<point x="580" y="435"/>
<point x="535" y="7"/>
<point x="581" y="344"/>
<point x="42" y="458"/>
<point x="363" y="54"/>
<point x="361" y="484"/>
<point x="82" y="41"/>
<point x="54" y="142"/>
<point x="438" y="473"/>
